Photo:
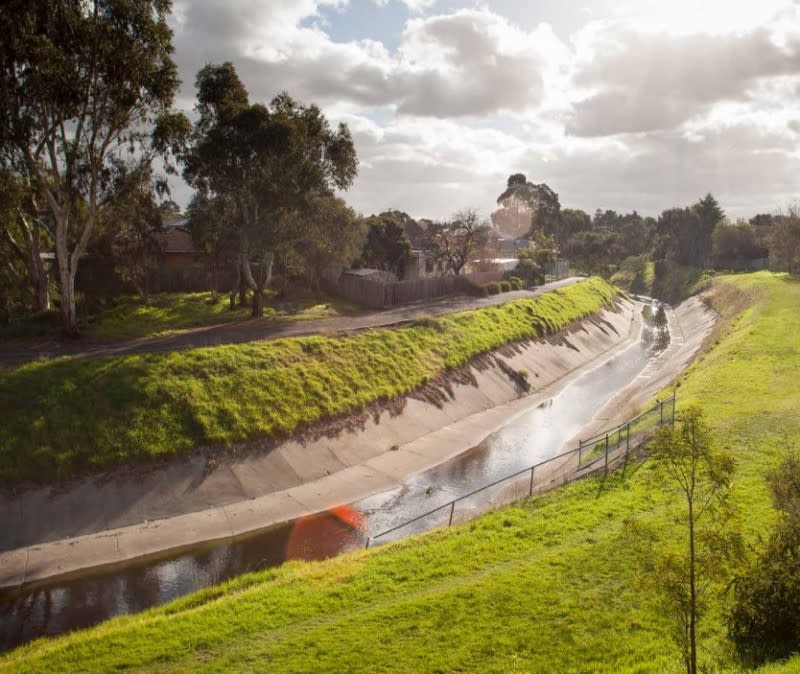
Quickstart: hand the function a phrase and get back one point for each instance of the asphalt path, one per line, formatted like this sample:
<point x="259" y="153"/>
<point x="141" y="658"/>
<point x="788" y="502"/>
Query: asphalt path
<point x="253" y="330"/>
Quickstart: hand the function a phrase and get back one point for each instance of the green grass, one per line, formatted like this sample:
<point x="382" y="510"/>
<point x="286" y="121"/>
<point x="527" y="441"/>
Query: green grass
<point x="549" y="585"/>
<point x="171" y="312"/>
<point x="545" y="586"/>
<point x="65" y="416"/>
<point x="166" y="313"/>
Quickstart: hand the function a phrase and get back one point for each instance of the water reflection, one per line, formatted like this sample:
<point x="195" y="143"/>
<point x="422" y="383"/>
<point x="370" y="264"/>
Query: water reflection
<point x="536" y="435"/>
<point x="532" y="437"/>
<point x="75" y="604"/>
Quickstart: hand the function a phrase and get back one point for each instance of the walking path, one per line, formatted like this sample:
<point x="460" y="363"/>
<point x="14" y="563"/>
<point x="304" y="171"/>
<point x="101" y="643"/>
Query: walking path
<point x="250" y="331"/>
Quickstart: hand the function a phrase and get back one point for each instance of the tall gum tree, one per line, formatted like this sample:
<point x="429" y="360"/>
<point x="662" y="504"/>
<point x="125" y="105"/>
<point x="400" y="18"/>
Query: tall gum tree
<point x="267" y="162"/>
<point x="26" y="234"/>
<point x="86" y="91"/>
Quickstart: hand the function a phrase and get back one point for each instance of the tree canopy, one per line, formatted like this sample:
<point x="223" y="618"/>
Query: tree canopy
<point x="527" y="208"/>
<point x="87" y="92"/>
<point x="265" y="162"/>
<point x="387" y="246"/>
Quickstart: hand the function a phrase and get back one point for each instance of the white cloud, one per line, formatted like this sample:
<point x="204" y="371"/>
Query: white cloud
<point x="642" y="80"/>
<point x="467" y="63"/>
<point x="633" y="111"/>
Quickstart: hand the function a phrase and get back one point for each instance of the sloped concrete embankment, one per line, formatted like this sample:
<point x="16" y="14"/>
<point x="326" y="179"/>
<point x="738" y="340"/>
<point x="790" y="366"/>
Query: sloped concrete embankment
<point x="110" y="519"/>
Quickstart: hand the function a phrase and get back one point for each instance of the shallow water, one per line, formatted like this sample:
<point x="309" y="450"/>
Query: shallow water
<point x="533" y="436"/>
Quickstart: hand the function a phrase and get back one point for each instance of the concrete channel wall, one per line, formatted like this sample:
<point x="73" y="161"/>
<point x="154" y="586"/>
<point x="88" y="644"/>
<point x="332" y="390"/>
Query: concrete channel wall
<point x="114" y="518"/>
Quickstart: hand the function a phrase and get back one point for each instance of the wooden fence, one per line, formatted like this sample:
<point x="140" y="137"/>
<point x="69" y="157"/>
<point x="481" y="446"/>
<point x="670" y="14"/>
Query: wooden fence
<point x="380" y="295"/>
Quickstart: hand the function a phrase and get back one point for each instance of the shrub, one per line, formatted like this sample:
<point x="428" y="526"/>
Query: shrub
<point x="530" y="272"/>
<point x="505" y="286"/>
<point x="493" y="288"/>
<point x="475" y="289"/>
<point x="516" y="283"/>
<point x="764" y="623"/>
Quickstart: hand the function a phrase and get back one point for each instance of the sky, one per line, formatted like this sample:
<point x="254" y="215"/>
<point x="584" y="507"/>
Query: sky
<point x="615" y="104"/>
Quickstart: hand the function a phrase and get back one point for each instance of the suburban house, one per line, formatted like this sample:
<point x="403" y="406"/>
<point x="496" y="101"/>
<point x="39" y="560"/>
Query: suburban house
<point x="421" y="263"/>
<point x="177" y="249"/>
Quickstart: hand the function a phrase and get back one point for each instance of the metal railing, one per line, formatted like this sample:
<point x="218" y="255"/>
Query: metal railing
<point x="592" y="454"/>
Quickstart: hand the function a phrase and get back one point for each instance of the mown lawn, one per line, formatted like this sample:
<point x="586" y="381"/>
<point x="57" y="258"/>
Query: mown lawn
<point x="546" y="586"/>
<point x="66" y="416"/>
<point x="172" y="312"/>
<point x="166" y="313"/>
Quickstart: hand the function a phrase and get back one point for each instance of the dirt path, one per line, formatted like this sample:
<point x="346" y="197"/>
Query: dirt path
<point x="250" y="331"/>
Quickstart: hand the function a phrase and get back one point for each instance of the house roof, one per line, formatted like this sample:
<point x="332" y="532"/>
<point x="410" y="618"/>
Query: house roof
<point x="177" y="239"/>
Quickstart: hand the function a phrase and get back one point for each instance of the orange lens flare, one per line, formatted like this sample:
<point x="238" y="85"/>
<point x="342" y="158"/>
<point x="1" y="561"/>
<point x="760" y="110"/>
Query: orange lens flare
<point x="326" y="534"/>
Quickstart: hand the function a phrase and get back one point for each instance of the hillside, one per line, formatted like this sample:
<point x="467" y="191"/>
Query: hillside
<point x="547" y="585"/>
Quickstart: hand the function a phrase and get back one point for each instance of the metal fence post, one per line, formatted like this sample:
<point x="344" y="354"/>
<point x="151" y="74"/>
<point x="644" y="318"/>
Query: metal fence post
<point x="628" y="441"/>
<point x="369" y="538"/>
<point x="530" y="491"/>
<point x="674" y="403"/>
<point x="452" y="510"/>
<point x="606" y="467"/>
<point x="580" y="452"/>
<point x="662" y="414"/>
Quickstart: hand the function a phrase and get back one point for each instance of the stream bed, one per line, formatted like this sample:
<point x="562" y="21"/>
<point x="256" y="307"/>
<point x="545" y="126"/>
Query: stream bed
<point x="533" y="436"/>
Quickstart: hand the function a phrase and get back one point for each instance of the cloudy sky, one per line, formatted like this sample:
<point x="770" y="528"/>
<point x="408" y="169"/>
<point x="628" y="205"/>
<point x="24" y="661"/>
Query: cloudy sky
<point x="623" y="104"/>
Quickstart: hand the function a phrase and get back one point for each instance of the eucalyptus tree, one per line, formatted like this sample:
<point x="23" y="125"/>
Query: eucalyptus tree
<point x="26" y="235"/>
<point x="532" y="208"/>
<point x="387" y="245"/>
<point x="267" y="162"/>
<point x="86" y="92"/>
<point x="333" y="237"/>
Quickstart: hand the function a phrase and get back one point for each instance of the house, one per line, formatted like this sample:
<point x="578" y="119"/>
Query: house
<point x="177" y="249"/>
<point x="421" y="263"/>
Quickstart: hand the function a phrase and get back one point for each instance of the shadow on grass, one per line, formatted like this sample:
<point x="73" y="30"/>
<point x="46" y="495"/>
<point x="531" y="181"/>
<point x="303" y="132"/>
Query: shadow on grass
<point x="630" y="466"/>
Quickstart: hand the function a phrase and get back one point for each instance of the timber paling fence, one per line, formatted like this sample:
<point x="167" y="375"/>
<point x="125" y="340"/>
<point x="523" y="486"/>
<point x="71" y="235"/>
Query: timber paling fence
<point x="380" y="295"/>
<point x="596" y="454"/>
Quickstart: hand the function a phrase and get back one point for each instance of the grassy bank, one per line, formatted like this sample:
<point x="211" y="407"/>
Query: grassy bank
<point x="66" y="416"/>
<point x="543" y="587"/>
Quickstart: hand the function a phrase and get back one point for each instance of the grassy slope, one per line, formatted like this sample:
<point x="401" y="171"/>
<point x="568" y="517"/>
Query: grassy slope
<point x="65" y="416"/>
<point x="542" y="587"/>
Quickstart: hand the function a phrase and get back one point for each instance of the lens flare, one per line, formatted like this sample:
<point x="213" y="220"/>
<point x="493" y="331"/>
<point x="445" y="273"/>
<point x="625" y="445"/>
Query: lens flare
<point x="326" y="534"/>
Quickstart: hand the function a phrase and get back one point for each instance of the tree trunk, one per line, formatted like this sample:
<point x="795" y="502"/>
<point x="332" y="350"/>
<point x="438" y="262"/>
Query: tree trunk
<point x="692" y="598"/>
<point x="43" y="291"/>
<point x="69" y="317"/>
<point x="264" y="278"/>
<point x="236" y="284"/>
<point x="247" y="273"/>
<point x="214" y="282"/>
